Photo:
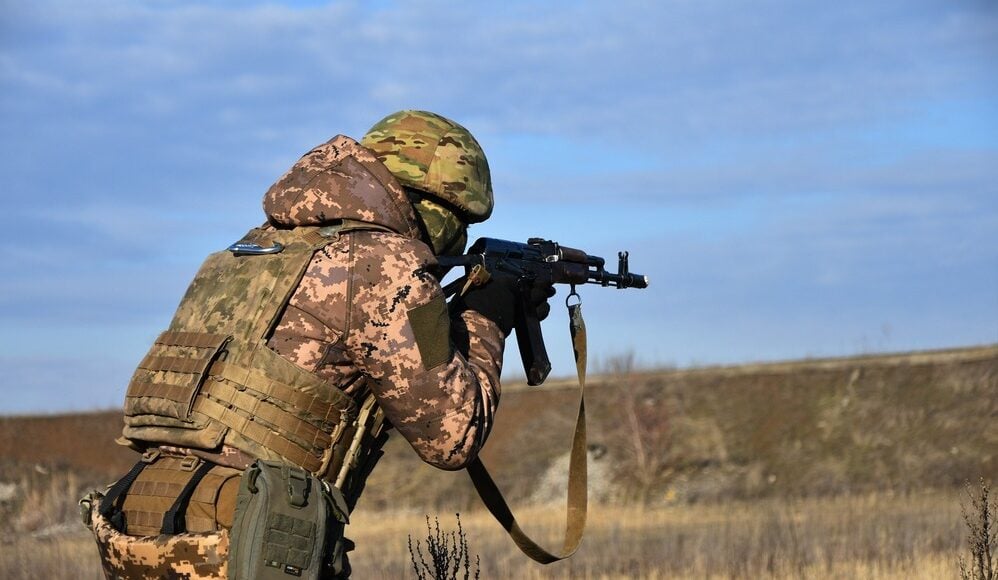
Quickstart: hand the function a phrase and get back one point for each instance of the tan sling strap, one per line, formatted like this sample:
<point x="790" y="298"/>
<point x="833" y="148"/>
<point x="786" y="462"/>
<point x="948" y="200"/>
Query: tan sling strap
<point x="575" y="523"/>
<point x="369" y="422"/>
<point x="365" y="450"/>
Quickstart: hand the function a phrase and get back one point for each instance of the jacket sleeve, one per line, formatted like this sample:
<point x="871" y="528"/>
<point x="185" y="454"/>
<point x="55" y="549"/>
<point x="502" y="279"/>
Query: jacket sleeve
<point x="436" y="379"/>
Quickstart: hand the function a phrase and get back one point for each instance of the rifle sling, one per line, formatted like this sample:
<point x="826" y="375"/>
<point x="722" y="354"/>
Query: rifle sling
<point x="577" y="471"/>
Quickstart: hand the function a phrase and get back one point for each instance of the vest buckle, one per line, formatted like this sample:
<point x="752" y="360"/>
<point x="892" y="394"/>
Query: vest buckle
<point x="190" y="463"/>
<point x="250" y="249"/>
<point x="151" y="455"/>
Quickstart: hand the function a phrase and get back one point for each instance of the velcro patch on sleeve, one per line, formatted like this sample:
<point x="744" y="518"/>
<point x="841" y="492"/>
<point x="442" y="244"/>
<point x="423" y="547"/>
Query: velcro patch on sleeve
<point x="431" y="327"/>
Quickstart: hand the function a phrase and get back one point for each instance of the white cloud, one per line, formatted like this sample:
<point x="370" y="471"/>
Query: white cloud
<point x="679" y="70"/>
<point x="773" y="158"/>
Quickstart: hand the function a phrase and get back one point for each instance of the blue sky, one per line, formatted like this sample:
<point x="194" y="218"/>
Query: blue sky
<point x="797" y="178"/>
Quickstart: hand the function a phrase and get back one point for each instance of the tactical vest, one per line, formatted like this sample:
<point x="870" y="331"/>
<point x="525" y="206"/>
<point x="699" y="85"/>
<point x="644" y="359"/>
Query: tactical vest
<point x="210" y="378"/>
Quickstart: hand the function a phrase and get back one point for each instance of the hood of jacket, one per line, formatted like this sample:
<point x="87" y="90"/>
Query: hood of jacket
<point x="340" y="179"/>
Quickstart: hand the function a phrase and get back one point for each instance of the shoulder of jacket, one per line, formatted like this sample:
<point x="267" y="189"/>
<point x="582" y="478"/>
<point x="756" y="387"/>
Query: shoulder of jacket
<point x="391" y="246"/>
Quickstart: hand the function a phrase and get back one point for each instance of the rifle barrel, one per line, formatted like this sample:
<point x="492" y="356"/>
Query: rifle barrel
<point x="621" y="281"/>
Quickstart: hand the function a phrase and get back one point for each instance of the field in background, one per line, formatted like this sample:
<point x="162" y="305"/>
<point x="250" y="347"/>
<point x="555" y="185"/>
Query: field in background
<point x="874" y="536"/>
<point x="836" y="468"/>
<point x="895" y="537"/>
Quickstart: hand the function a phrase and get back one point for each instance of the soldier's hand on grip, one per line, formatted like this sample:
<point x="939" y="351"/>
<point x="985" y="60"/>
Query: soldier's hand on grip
<point x="499" y="298"/>
<point x="539" y="300"/>
<point x="495" y="300"/>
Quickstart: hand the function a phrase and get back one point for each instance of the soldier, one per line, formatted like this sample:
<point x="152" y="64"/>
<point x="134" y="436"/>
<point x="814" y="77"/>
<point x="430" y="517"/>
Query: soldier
<point x="300" y="346"/>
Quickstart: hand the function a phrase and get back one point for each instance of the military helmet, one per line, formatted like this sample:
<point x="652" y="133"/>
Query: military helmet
<point x="443" y="163"/>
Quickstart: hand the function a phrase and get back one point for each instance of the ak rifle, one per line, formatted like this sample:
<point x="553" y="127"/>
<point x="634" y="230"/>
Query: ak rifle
<point x="538" y="263"/>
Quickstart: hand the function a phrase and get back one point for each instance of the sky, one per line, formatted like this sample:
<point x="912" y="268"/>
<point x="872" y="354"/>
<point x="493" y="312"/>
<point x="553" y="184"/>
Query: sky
<point x="797" y="179"/>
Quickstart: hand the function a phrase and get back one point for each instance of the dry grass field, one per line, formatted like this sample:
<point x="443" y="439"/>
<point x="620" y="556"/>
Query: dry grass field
<point x="869" y="536"/>
<point x="872" y="536"/>
<point x="845" y="468"/>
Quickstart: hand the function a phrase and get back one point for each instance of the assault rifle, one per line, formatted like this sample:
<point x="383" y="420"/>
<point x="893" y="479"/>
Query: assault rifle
<point x="540" y="263"/>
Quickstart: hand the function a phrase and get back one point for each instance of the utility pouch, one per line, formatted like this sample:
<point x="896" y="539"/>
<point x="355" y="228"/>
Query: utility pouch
<point x="196" y="556"/>
<point x="288" y="524"/>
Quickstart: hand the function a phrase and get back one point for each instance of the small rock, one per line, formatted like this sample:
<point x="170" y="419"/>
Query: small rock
<point x="8" y="491"/>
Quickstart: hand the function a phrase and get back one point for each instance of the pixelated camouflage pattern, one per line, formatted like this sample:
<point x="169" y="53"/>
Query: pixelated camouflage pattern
<point x="431" y="153"/>
<point x="239" y="297"/>
<point x="332" y="327"/>
<point x="187" y="556"/>
<point x="340" y="180"/>
<point x="347" y="324"/>
<point x="227" y="456"/>
<point x="446" y="412"/>
<point x="235" y="295"/>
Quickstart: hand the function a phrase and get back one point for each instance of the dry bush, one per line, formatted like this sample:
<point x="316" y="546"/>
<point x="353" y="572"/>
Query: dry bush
<point x="448" y="552"/>
<point x="643" y="435"/>
<point x="981" y="518"/>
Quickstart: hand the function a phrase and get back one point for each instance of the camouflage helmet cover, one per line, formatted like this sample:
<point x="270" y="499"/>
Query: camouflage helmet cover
<point x="446" y="232"/>
<point x="433" y="154"/>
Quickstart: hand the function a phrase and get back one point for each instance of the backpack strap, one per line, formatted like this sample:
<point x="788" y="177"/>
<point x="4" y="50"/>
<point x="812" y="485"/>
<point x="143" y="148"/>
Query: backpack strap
<point x="110" y="505"/>
<point x="173" y="519"/>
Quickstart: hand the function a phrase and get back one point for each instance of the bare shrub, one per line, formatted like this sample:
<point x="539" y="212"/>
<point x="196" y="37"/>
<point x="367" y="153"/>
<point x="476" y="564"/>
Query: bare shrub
<point x="644" y="436"/>
<point x="982" y="533"/>
<point x="448" y="553"/>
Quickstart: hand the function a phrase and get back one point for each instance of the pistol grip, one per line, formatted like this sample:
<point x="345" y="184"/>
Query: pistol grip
<point x="533" y="353"/>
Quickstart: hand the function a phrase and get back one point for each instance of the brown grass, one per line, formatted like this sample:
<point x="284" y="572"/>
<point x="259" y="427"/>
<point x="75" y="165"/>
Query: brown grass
<point x="870" y="536"/>
<point x="813" y="469"/>
<point x="879" y="535"/>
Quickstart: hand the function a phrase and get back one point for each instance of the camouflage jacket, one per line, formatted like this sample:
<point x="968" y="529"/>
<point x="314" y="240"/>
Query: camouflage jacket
<point x="352" y="319"/>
